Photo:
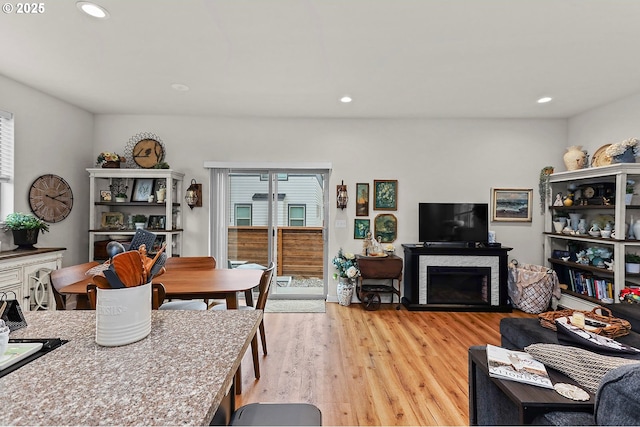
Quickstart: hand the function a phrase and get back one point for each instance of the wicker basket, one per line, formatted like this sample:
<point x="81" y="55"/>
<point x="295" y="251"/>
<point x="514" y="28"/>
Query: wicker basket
<point x="616" y="327"/>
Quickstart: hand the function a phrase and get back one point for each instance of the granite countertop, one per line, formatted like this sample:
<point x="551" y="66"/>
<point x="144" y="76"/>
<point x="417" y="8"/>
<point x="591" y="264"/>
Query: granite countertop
<point x="178" y="375"/>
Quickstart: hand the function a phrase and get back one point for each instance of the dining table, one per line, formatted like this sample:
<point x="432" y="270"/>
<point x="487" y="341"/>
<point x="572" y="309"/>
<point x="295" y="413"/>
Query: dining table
<point x="200" y="283"/>
<point x="211" y="283"/>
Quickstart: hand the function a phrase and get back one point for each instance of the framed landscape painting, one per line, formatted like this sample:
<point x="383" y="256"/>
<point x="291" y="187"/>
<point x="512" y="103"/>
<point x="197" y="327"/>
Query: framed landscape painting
<point x="511" y="205"/>
<point x="385" y="195"/>
<point x="362" y="199"/>
<point x="385" y="228"/>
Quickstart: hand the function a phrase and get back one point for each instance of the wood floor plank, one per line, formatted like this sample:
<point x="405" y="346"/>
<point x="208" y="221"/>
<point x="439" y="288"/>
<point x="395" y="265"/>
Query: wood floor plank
<point x="384" y="367"/>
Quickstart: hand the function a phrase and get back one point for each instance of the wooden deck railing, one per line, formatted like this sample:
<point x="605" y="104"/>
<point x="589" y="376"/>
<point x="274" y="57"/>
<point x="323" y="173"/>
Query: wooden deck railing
<point x="300" y="249"/>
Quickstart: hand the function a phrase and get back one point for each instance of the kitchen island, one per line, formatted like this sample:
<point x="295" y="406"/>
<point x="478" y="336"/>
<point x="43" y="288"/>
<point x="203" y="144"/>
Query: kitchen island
<point x="178" y="375"/>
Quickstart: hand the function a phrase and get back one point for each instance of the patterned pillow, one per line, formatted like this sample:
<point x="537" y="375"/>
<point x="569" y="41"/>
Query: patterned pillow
<point x="583" y="366"/>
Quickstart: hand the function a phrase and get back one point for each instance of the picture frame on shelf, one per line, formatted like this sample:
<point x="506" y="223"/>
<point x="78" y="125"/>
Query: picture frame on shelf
<point x="361" y="227"/>
<point x="385" y="195"/>
<point x="142" y="189"/>
<point x="105" y="196"/>
<point x="157" y="222"/>
<point x="362" y="199"/>
<point x="385" y="228"/>
<point x="511" y="204"/>
<point x="112" y="220"/>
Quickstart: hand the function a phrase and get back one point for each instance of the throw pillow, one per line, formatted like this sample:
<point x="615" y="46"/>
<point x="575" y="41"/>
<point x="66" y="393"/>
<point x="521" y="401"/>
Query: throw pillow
<point x="583" y="366"/>
<point x="572" y="335"/>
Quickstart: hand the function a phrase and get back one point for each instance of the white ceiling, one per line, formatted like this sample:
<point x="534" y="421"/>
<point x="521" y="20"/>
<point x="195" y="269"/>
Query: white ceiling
<point x="295" y="58"/>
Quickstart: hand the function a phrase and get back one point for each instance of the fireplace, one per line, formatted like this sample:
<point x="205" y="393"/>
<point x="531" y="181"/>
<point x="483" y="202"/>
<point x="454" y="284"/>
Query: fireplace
<point x="458" y="285"/>
<point x="455" y="278"/>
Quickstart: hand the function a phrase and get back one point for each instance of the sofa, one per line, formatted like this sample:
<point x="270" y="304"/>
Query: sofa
<point x="616" y="396"/>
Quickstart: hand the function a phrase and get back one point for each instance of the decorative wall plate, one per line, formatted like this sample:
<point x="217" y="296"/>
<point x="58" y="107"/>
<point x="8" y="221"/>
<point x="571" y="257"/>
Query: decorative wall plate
<point x="600" y="158"/>
<point x="144" y="150"/>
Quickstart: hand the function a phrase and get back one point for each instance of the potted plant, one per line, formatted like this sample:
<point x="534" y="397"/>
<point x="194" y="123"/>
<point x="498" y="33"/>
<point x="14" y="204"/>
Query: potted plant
<point x="543" y="186"/>
<point x="348" y="271"/>
<point x="632" y="263"/>
<point x="109" y="160"/>
<point x="139" y="220"/>
<point x="624" y="152"/>
<point x="119" y="190"/>
<point x="25" y="229"/>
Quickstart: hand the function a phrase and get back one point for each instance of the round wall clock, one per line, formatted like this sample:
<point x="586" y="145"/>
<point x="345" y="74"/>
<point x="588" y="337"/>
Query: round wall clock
<point x="50" y="198"/>
<point x="144" y="150"/>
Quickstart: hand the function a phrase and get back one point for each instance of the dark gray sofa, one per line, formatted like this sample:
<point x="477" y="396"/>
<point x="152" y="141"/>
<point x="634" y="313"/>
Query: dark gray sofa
<point x="617" y="401"/>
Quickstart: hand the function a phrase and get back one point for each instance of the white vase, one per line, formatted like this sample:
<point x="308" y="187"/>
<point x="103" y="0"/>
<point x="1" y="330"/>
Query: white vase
<point x="636" y="229"/>
<point x="139" y="225"/>
<point x="574" y="158"/>
<point x="574" y="220"/>
<point x="344" y="291"/>
<point x="627" y="199"/>
<point x="632" y="267"/>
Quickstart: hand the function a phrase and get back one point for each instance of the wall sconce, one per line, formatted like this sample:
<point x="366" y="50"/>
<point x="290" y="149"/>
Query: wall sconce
<point x="343" y="197"/>
<point x="194" y="195"/>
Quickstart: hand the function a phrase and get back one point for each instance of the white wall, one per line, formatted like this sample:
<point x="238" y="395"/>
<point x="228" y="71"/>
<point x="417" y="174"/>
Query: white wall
<point x="51" y="136"/>
<point x="607" y="124"/>
<point x="433" y="160"/>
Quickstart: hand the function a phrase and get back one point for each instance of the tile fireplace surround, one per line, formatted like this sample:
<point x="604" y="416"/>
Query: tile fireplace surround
<point x="481" y="272"/>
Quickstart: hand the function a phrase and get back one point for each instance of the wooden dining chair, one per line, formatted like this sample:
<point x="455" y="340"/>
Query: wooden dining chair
<point x="158" y="296"/>
<point x="264" y="287"/>
<point x="190" y="263"/>
<point x="66" y="276"/>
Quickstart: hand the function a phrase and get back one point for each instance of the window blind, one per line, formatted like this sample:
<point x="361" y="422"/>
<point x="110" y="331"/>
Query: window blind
<point x="6" y="146"/>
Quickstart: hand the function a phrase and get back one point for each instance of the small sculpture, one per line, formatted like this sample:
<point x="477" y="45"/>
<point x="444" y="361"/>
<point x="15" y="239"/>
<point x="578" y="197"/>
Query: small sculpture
<point x="558" y="201"/>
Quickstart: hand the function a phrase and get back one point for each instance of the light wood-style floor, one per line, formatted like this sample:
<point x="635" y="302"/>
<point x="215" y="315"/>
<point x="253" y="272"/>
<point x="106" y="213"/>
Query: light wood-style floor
<point x="382" y="367"/>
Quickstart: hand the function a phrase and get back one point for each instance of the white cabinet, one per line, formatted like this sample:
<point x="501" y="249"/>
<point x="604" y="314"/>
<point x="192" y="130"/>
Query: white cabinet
<point x="112" y="220"/>
<point x="25" y="273"/>
<point x="591" y="185"/>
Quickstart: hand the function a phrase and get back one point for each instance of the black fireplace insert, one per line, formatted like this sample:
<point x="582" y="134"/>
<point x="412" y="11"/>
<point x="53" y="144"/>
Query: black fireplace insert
<point x="459" y="285"/>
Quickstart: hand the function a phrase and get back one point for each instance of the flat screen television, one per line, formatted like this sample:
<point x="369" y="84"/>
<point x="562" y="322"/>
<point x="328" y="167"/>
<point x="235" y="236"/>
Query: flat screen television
<point x="463" y="223"/>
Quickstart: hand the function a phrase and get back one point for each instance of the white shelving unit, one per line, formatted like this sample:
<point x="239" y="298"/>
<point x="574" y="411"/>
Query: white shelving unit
<point x="617" y="175"/>
<point x="171" y="208"/>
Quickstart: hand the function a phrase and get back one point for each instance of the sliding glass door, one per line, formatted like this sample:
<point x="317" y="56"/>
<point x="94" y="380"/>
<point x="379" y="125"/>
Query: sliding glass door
<point x="276" y="215"/>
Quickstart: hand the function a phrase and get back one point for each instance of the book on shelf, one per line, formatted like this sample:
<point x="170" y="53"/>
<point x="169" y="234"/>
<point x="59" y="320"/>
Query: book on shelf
<point x="516" y="366"/>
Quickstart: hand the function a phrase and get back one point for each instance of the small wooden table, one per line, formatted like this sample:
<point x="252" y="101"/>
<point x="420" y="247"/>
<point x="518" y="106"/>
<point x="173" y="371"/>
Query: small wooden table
<point x="528" y="401"/>
<point x="389" y="268"/>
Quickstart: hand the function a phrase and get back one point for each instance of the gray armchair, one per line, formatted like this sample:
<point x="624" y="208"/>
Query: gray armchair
<point x="617" y="402"/>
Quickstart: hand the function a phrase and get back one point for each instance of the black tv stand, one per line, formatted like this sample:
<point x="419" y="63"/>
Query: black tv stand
<point x="449" y="245"/>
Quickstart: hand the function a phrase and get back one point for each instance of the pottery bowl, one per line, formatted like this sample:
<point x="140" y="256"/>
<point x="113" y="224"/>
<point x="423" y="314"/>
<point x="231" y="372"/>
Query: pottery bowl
<point x="605" y="233"/>
<point x="594" y="233"/>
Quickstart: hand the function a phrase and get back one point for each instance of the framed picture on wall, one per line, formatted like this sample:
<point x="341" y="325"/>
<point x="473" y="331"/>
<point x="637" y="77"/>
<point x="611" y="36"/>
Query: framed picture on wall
<point x="362" y="199"/>
<point x="385" y="195"/>
<point x="360" y="228"/>
<point x="511" y="204"/>
<point x="385" y="228"/>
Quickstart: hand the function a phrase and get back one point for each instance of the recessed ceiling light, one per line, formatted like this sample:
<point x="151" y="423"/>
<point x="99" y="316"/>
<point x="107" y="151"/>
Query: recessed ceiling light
<point x="544" y="100"/>
<point x="346" y="99"/>
<point x="93" y="9"/>
<point x="179" y="87"/>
